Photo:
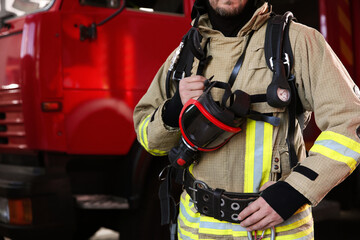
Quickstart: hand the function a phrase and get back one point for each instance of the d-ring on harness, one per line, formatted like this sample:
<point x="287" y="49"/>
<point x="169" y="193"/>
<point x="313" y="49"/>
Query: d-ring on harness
<point x="272" y="236"/>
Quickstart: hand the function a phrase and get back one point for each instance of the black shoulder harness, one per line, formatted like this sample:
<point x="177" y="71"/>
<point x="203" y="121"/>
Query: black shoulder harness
<point x="182" y="61"/>
<point x="279" y="58"/>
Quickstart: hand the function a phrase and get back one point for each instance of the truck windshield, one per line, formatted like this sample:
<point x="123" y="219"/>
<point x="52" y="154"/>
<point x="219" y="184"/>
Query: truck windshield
<point x="16" y="8"/>
<point x="166" y="6"/>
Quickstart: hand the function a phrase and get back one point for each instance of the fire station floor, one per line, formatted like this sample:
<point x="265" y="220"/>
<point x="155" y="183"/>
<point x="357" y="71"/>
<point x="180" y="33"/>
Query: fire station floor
<point x="105" y="234"/>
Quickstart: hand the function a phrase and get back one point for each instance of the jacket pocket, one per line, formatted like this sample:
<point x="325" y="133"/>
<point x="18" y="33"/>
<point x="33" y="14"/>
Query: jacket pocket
<point x="281" y="162"/>
<point x="257" y="58"/>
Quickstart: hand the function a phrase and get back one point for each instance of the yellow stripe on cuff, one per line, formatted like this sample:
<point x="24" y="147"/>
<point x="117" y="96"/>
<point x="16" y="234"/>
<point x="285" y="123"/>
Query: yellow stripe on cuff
<point x="327" y="152"/>
<point x="144" y="139"/>
<point x="347" y="142"/>
<point x="338" y="147"/>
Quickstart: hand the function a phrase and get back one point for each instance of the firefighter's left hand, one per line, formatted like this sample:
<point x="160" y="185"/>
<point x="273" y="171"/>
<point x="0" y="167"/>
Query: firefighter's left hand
<point x="259" y="215"/>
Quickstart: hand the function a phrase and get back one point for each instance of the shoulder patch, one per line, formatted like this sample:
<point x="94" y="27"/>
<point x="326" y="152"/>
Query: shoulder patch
<point x="357" y="91"/>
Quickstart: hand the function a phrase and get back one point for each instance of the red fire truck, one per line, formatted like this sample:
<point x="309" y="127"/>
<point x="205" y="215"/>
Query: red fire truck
<point x="69" y="159"/>
<point x="71" y="73"/>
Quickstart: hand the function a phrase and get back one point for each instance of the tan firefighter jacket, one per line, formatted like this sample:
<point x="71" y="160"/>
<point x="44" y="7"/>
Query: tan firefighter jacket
<point x="259" y="151"/>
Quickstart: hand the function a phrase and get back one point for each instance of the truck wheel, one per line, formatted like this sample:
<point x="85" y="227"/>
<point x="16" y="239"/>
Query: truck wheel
<point x="144" y="222"/>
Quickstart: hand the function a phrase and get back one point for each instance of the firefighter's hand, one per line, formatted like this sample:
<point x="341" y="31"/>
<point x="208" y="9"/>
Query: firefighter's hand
<point x="191" y="87"/>
<point x="259" y="215"/>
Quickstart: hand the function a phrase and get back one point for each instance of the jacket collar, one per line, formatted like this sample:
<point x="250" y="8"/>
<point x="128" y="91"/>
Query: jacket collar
<point x="261" y="15"/>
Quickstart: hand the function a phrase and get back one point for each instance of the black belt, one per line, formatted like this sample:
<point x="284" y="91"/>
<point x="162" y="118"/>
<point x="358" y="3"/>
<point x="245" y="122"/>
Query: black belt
<point x="224" y="206"/>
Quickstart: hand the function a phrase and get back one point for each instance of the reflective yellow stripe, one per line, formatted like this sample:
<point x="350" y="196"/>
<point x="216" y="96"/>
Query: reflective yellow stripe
<point x="338" y="147"/>
<point x="189" y="219"/>
<point x="191" y="169"/>
<point x="249" y="156"/>
<point x="191" y="224"/>
<point x="268" y="142"/>
<point x="258" y="155"/>
<point x="334" y="155"/>
<point x="296" y="235"/>
<point x="188" y="223"/>
<point x="302" y="209"/>
<point x="188" y="207"/>
<point x="141" y="127"/>
<point x="144" y="140"/>
<point x="294" y="225"/>
<point x="186" y="235"/>
<point x="347" y="142"/>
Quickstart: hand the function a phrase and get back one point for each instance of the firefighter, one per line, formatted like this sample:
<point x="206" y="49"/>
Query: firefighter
<point x="257" y="158"/>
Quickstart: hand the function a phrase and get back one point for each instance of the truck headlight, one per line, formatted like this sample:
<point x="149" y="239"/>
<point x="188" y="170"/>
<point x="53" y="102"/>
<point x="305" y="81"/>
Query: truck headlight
<point x="16" y="211"/>
<point x="4" y="210"/>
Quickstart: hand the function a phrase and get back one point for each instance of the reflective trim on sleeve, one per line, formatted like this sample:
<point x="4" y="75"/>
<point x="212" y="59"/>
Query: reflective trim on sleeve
<point x="258" y="155"/>
<point x="144" y="140"/>
<point x="338" y="147"/>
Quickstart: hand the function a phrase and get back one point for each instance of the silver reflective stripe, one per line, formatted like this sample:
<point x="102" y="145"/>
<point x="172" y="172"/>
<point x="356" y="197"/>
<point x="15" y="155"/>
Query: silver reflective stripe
<point x="193" y="225"/>
<point x="339" y="148"/>
<point x="258" y="155"/>
<point x="258" y="160"/>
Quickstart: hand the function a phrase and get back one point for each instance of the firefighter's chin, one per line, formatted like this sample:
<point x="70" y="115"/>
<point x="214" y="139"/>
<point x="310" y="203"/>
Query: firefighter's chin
<point x="228" y="8"/>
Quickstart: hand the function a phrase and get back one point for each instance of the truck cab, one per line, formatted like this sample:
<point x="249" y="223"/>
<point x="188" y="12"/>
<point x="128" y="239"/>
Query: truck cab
<point x="71" y="73"/>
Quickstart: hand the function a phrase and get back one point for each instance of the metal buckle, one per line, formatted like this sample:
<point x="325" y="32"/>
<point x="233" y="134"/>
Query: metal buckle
<point x="286" y="62"/>
<point x="272" y="236"/>
<point x="271" y="63"/>
<point x="176" y="78"/>
<point x="194" y="188"/>
<point x="162" y="175"/>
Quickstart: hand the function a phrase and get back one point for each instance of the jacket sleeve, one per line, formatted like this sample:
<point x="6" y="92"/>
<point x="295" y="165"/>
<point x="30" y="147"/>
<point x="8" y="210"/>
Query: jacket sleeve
<point x="325" y="88"/>
<point x="152" y="133"/>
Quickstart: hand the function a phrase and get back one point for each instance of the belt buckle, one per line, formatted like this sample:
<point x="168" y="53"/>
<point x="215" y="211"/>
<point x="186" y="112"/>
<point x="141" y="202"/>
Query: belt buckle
<point x="194" y="189"/>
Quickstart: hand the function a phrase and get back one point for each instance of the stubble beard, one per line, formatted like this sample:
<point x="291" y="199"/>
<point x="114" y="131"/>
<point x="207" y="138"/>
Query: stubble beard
<point x="228" y="12"/>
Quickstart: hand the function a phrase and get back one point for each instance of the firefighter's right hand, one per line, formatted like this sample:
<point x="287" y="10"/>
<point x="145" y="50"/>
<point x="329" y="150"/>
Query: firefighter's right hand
<point x="191" y="87"/>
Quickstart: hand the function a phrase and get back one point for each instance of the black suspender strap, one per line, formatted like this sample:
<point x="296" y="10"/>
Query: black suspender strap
<point x="277" y="42"/>
<point x="184" y="66"/>
<point x="291" y="129"/>
<point x="182" y="62"/>
<point x="168" y="204"/>
<point x="295" y="108"/>
<point x="239" y="62"/>
<point x="204" y="60"/>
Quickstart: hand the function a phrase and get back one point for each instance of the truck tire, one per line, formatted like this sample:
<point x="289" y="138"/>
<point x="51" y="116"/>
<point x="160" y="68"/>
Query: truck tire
<point x="144" y="222"/>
